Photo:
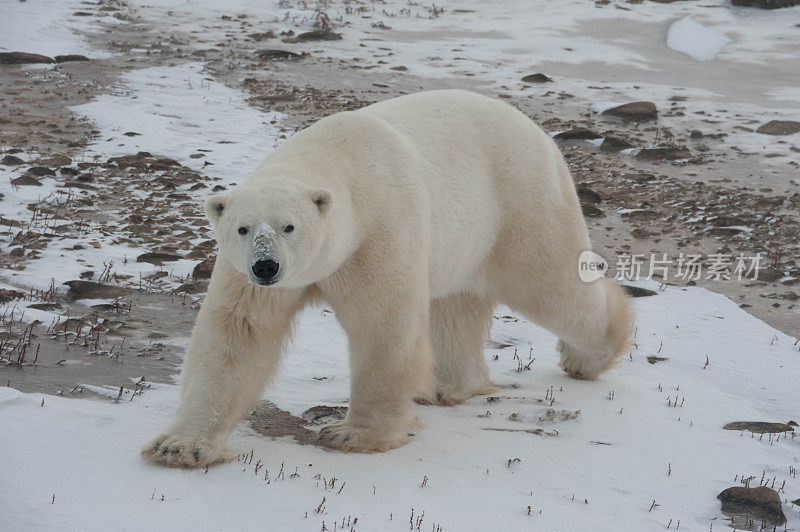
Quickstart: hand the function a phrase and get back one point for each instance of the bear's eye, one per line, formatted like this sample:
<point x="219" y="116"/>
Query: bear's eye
<point x="288" y="229"/>
<point x="243" y="230"/>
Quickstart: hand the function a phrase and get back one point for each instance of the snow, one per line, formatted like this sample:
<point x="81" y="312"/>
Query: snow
<point x="176" y="111"/>
<point x="48" y="28"/>
<point x="182" y="108"/>
<point x="626" y="448"/>
<point x="695" y="40"/>
<point x="73" y="464"/>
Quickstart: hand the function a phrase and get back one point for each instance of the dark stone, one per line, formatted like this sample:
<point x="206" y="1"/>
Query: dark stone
<point x="587" y="195"/>
<point x="70" y="57"/>
<point x="192" y="288"/>
<point x="769" y="275"/>
<point x="635" y="291"/>
<point x="767" y="4"/>
<point x="666" y="153"/>
<point x="22" y="58"/>
<point x="26" y="181"/>
<point x="536" y="78"/>
<point x="780" y="127"/>
<point x="633" y="112"/>
<point x="204" y="269"/>
<point x="41" y="171"/>
<point x="578" y="133"/>
<point x="615" y="144"/>
<point x="45" y="306"/>
<point x="759" y="427"/>
<point x="322" y="414"/>
<point x="656" y="360"/>
<point x="278" y="55"/>
<point x="91" y="290"/>
<point x="55" y="161"/>
<point x="262" y="36"/>
<point x="157" y="257"/>
<point x="591" y="211"/>
<point x="11" y="160"/>
<point x="7" y="295"/>
<point x="317" y="35"/>
<point x="760" y="502"/>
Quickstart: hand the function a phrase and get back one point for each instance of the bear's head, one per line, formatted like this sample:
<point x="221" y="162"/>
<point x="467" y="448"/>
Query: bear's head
<point x="271" y="231"/>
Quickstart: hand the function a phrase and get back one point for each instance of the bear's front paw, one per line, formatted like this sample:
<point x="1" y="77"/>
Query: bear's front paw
<point x="177" y="449"/>
<point x="350" y="438"/>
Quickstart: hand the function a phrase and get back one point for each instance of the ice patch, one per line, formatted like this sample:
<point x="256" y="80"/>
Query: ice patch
<point x="695" y="40"/>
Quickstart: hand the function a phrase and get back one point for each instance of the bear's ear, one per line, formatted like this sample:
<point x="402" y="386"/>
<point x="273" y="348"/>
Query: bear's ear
<point x="323" y="199"/>
<point x="215" y="206"/>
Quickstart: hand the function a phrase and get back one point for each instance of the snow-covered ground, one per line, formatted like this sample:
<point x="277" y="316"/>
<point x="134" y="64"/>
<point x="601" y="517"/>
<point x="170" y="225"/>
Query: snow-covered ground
<point x="74" y="464"/>
<point x="640" y="449"/>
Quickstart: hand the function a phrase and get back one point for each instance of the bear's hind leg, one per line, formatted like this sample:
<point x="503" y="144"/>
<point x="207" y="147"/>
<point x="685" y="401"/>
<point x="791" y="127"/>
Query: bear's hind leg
<point x="459" y="327"/>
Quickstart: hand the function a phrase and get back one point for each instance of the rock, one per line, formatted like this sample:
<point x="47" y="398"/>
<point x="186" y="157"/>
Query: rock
<point x="615" y="144"/>
<point x="635" y="291"/>
<point x="26" y="181"/>
<point x="204" y="269"/>
<point x="157" y="257"/>
<point x="92" y="290"/>
<point x="45" y="306"/>
<point x="536" y="78"/>
<point x="696" y="134"/>
<point x="665" y="153"/>
<point x="55" y="161"/>
<point x="796" y="502"/>
<point x="587" y="195"/>
<point x="779" y="127"/>
<point x="41" y="171"/>
<point x="758" y="502"/>
<point x="399" y="68"/>
<point x="11" y="160"/>
<point x="766" y="4"/>
<point x="640" y="233"/>
<point x="192" y="288"/>
<point x="278" y="55"/>
<point x="317" y="35"/>
<point x="70" y="57"/>
<point x="759" y="427"/>
<point x="578" y="133"/>
<point x="262" y="36"/>
<point x="7" y="295"/>
<point x="320" y="415"/>
<point x="17" y="252"/>
<point x="591" y="211"/>
<point x="769" y="275"/>
<point x="21" y="58"/>
<point x="633" y="112"/>
<point x="656" y="360"/>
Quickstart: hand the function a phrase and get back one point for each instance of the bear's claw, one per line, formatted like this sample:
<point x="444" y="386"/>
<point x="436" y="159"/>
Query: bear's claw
<point x="350" y="438"/>
<point x="182" y="451"/>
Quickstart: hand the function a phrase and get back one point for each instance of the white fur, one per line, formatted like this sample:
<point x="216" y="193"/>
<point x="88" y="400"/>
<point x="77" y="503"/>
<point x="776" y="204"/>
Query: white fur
<point x="413" y="217"/>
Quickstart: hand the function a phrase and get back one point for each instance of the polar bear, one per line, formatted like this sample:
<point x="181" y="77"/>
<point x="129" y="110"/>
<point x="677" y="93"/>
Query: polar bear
<point x="412" y="218"/>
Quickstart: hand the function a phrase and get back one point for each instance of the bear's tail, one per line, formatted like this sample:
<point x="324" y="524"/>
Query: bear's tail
<point x="620" y="321"/>
<point x="601" y="348"/>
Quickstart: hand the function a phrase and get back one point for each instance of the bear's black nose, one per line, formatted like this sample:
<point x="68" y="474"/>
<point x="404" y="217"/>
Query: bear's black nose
<point x="265" y="270"/>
